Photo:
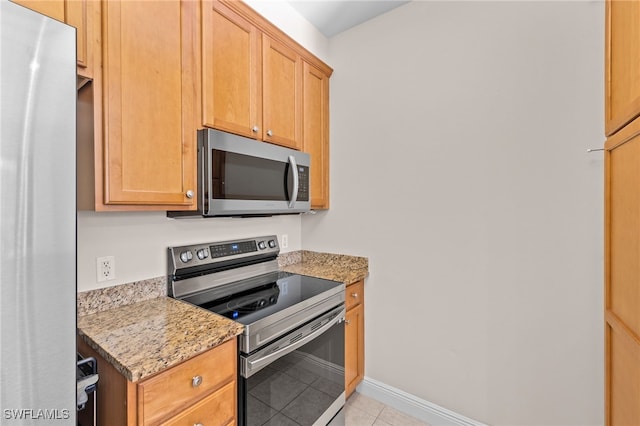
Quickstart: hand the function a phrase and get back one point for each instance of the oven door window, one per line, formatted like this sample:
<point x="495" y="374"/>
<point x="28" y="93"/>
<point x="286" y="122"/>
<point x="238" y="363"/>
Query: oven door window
<point x="243" y="177"/>
<point x="298" y="388"/>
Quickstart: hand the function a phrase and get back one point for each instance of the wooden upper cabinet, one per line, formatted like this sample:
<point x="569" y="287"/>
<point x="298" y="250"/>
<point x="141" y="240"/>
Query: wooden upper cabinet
<point x="232" y="69"/>
<point x="315" y="132"/>
<point x="77" y="13"/>
<point x="150" y="72"/>
<point x="282" y="94"/>
<point x="251" y="82"/>
<point x="622" y="64"/>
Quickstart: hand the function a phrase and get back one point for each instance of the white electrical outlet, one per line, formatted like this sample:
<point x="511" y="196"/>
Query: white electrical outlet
<point x="284" y="241"/>
<point x="106" y="268"/>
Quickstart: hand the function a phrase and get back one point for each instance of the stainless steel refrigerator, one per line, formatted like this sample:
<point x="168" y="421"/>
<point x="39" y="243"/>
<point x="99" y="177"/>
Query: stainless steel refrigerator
<point x="37" y="219"/>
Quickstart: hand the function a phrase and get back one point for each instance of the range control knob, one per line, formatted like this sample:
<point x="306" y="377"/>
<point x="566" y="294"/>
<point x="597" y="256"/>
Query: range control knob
<point x="262" y="245"/>
<point x="272" y="243"/>
<point x="202" y="253"/>
<point x="186" y="256"/>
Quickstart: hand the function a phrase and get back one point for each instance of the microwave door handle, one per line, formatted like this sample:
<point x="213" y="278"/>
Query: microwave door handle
<point x="294" y="195"/>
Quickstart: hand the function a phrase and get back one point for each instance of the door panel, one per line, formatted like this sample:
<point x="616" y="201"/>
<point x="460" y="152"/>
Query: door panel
<point x="231" y="83"/>
<point x="622" y="277"/>
<point x="282" y="94"/>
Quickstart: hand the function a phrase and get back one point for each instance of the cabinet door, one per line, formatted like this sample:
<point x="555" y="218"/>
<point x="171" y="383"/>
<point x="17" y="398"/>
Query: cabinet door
<point x="622" y="79"/>
<point x="315" y="132"/>
<point x="149" y="102"/>
<point x="622" y="276"/>
<point x="77" y="14"/>
<point x="216" y="409"/>
<point x="231" y="81"/>
<point x="354" y="348"/>
<point x="282" y="94"/>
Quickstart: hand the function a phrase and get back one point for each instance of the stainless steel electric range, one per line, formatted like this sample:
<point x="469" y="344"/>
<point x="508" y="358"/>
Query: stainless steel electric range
<point x="291" y="352"/>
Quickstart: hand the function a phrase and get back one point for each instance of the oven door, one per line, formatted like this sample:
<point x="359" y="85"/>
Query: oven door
<point x="297" y="379"/>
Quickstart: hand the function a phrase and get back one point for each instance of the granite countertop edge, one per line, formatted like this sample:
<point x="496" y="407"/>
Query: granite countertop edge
<point x="145" y="338"/>
<point x="343" y="268"/>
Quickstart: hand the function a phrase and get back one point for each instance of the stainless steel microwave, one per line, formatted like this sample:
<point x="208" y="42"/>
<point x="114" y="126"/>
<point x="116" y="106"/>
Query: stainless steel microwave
<point x="238" y="176"/>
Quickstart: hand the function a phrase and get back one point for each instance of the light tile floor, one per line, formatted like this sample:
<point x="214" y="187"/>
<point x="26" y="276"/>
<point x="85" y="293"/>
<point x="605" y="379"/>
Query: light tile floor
<point x="364" y="411"/>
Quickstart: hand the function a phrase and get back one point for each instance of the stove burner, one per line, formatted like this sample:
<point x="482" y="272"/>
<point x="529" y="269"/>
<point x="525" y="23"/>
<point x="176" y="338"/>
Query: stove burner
<point x="246" y="302"/>
<point x="256" y="301"/>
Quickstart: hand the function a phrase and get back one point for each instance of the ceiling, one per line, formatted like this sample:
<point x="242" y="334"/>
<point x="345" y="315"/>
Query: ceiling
<point x="332" y="17"/>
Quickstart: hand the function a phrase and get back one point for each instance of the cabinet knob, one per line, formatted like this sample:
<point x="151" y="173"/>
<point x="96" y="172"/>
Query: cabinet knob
<point x="254" y="129"/>
<point x="354" y="295"/>
<point x="198" y="424"/>
<point x="347" y="321"/>
<point x="189" y="194"/>
<point x="196" y="381"/>
<point x="269" y="132"/>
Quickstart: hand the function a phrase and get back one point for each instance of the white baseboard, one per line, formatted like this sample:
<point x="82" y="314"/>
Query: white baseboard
<point x="419" y="408"/>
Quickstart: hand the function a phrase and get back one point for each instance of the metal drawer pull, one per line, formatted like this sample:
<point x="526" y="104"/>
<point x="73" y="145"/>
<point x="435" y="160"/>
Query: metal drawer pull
<point x="354" y="295"/>
<point x="196" y="381"/>
<point x="198" y="424"/>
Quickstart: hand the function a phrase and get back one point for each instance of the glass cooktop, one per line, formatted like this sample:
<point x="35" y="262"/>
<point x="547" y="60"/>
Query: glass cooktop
<point x="250" y="300"/>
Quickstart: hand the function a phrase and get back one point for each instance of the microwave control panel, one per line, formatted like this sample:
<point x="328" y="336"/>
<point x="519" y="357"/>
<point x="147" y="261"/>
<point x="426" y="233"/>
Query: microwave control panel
<point x="303" y="186"/>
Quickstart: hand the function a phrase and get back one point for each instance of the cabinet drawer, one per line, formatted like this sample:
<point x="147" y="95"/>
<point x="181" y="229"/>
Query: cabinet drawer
<point x="173" y="390"/>
<point x="217" y="409"/>
<point x="354" y="294"/>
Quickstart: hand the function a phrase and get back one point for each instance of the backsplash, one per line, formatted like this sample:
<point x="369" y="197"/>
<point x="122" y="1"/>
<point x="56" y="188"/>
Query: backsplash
<point x="102" y="299"/>
<point x="138" y="241"/>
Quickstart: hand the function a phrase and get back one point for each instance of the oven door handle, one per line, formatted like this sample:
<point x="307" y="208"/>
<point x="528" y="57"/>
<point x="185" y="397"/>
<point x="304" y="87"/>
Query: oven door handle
<point x="261" y="362"/>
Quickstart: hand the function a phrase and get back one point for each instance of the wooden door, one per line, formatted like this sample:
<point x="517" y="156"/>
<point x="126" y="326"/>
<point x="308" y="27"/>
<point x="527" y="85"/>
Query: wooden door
<point x="622" y="276"/>
<point x="281" y="94"/>
<point x="354" y="348"/>
<point x="77" y="14"/>
<point x="150" y="92"/>
<point x="231" y="80"/>
<point x="315" y="132"/>
<point x="622" y="70"/>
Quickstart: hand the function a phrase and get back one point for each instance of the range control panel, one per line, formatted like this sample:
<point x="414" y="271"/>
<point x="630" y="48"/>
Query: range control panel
<point x="206" y="254"/>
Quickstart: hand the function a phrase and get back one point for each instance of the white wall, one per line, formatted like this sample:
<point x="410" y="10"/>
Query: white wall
<point x="139" y="240"/>
<point x="458" y="166"/>
<point x="284" y="16"/>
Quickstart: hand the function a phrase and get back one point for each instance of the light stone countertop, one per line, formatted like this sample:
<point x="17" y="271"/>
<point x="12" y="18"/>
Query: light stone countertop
<point x="336" y="267"/>
<point x="144" y="338"/>
<point x="140" y="331"/>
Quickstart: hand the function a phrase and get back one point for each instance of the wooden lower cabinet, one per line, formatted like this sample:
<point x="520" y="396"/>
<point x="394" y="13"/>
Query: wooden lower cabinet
<point x="354" y="336"/>
<point x="622" y="276"/>
<point x="201" y="390"/>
